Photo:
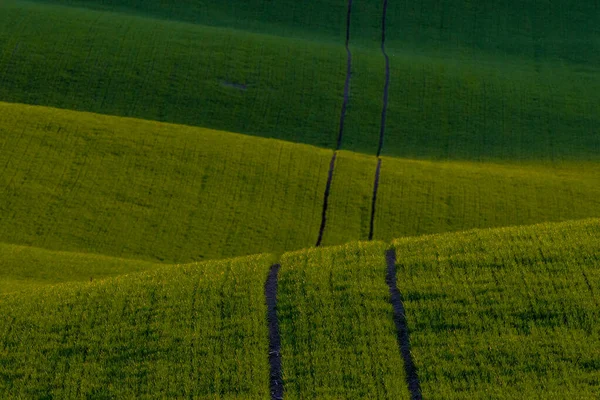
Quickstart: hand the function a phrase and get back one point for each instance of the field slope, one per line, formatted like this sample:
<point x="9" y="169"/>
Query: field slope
<point x="501" y="313"/>
<point x="447" y="100"/>
<point x="188" y="331"/>
<point x="121" y="187"/>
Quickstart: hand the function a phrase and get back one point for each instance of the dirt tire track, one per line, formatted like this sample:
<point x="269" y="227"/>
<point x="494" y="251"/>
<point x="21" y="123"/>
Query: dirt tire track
<point x="386" y="91"/>
<point x="326" y="199"/>
<point x="386" y="87"/>
<point x="276" y="377"/>
<point x="412" y="378"/>
<point x="341" y="130"/>
<point x="348" y="77"/>
<point x="374" y="200"/>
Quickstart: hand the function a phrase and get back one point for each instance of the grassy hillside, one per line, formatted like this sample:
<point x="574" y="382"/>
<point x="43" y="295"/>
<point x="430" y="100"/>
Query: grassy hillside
<point x="506" y="313"/>
<point x="420" y="197"/>
<point x="338" y="337"/>
<point x="479" y="105"/>
<point x="533" y="29"/>
<point x="26" y="268"/>
<point x="189" y="331"/>
<point x="501" y="314"/>
<point x="128" y="188"/>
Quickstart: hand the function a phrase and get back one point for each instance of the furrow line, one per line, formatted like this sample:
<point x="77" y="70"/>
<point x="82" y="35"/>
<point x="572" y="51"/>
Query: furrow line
<point x="386" y="87"/>
<point x="326" y="198"/>
<point x="412" y="378"/>
<point x="276" y="377"/>
<point x="341" y="126"/>
<point x="386" y="90"/>
<point x="374" y="200"/>
<point x="348" y="77"/>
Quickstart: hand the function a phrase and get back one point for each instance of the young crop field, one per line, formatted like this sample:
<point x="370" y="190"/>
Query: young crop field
<point x="543" y="29"/>
<point x="129" y="66"/>
<point x="193" y="331"/>
<point x="145" y="143"/>
<point x="501" y="313"/>
<point x="505" y="314"/>
<point x="24" y="268"/>
<point x="129" y="188"/>
<point x="337" y="333"/>
<point x="422" y="197"/>
<point x="479" y="105"/>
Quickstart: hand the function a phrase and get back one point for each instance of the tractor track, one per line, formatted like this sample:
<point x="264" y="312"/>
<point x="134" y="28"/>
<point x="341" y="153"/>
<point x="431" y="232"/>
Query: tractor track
<point x="276" y="377"/>
<point x="386" y="91"/>
<point x="340" y="137"/>
<point x="374" y="199"/>
<point x="412" y="378"/>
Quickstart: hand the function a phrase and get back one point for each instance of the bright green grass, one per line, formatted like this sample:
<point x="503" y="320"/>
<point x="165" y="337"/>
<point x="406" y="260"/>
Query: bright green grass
<point x="475" y="106"/>
<point x="193" y="331"/>
<point x="129" y="188"/>
<point x="505" y="314"/>
<point x="421" y="197"/>
<point x="24" y="268"/>
<point x="338" y="336"/>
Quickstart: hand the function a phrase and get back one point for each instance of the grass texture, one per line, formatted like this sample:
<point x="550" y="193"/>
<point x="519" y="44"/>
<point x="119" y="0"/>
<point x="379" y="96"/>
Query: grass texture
<point x="474" y="105"/>
<point x="129" y="188"/>
<point x="505" y="314"/>
<point x="121" y="187"/>
<point x="338" y="336"/>
<point x="541" y="29"/>
<point x="192" y="331"/>
<point x="24" y="268"/>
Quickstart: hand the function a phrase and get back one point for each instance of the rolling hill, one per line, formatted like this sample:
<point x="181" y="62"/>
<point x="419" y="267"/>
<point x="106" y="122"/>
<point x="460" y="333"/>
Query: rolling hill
<point x="281" y="199"/>
<point x="491" y="313"/>
<point x="121" y="187"/>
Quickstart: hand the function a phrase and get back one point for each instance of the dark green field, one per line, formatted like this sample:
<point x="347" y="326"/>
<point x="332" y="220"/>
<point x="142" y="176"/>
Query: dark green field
<point x="167" y="169"/>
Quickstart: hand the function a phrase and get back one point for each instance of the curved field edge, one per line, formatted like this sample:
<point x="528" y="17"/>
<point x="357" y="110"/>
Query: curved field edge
<point x="130" y="188"/>
<point x="476" y="302"/>
<point x="25" y="268"/>
<point x="191" y="331"/>
<point x="75" y="181"/>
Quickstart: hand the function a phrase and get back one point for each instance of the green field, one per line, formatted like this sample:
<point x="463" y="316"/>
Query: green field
<point x="169" y="193"/>
<point x="492" y="314"/>
<point x="195" y="331"/>
<point x="505" y="314"/>
<point x="170" y="169"/>
<point x="476" y="106"/>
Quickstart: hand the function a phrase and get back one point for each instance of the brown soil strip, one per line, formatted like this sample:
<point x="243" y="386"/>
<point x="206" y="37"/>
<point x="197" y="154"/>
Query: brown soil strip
<point x="374" y="200"/>
<point x="412" y="378"/>
<point x="276" y="377"/>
